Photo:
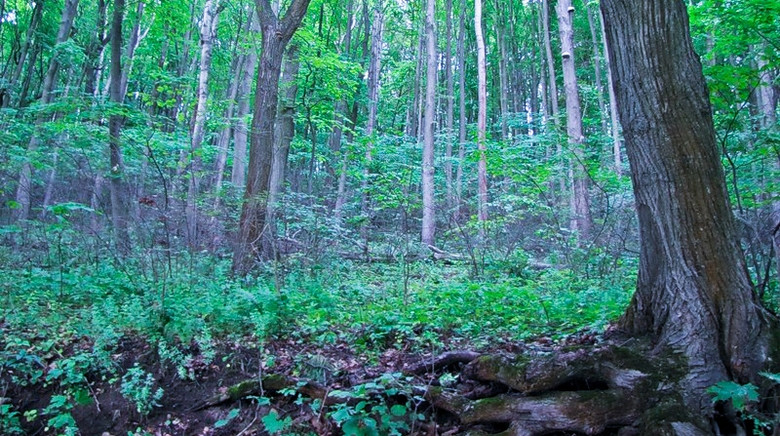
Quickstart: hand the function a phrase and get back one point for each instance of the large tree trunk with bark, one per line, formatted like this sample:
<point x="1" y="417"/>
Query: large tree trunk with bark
<point x="693" y="292"/>
<point x="276" y="34"/>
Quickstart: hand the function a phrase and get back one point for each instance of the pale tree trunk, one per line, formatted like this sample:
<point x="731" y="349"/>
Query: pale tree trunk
<point x="693" y="292"/>
<point x="208" y="31"/>
<point x="461" y="106"/>
<point x="340" y="116"/>
<point x="450" y="117"/>
<point x="429" y="207"/>
<point x="551" y="82"/>
<point x="503" y="80"/>
<point x="613" y="112"/>
<point x="116" y="171"/>
<point x="24" y="188"/>
<point x="580" y="203"/>
<point x="136" y="36"/>
<point x="284" y="131"/>
<point x="241" y="132"/>
<point x="276" y="33"/>
<point x="413" y="114"/>
<point x="223" y="141"/>
<point x="482" y="198"/>
<point x="374" y="69"/>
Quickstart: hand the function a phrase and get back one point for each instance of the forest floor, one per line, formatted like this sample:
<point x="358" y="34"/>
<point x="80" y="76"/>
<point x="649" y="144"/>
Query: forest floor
<point x="96" y="350"/>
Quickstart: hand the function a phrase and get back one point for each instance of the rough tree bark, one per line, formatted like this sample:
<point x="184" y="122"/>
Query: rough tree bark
<point x="580" y="203"/>
<point x="429" y="207"/>
<point x="285" y="130"/>
<point x="613" y="115"/>
<point x="693" y="293"/>
<point x="276" y="33"/>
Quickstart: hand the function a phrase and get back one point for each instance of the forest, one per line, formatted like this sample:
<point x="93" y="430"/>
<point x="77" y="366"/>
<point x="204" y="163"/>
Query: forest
<point x="389" y="217"/>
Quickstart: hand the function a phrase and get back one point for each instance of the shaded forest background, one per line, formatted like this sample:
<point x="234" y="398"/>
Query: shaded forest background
<point x="430" y="187"/>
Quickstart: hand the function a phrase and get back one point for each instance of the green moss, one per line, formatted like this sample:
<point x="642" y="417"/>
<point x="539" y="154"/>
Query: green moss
<point x="240" y="390"/>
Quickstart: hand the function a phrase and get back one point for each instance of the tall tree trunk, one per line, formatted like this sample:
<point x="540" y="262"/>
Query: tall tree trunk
<point x="450" y="97"/>
<point x="693" y="293"/>
<point x="340" y="115"/>
<point x="115" y="121"/>
<point x="276" y="33"/>
<point x="374" y="69"/>
<point x="241" y="133"/>
<point x="208" y="31"/>
<point x="461" y="105"/>
<point x="482" y="214"/>
<point x="94" y="51"/>
<point x="223" y="141"/>
<point x="285" y="130"/>
<point x="594" y="37"/>
<point x="413" y="114"/>
<point x="580" y="203"/>
<point x="613" y="112"/>
<point x="429" y="206"/>
<point x="551" y="82"/>
<point x="24" y="188"/>
<point x="132" y="45"/>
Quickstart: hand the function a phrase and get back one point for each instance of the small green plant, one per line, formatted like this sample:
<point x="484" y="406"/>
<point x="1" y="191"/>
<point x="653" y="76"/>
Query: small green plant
<point x="138" y="386"/>
<point x="372" y="415"/>
<point x="9" y="420"/>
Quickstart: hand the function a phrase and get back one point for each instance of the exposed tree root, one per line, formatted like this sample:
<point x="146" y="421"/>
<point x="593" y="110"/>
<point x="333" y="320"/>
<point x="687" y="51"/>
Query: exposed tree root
<point x="607" y="390"/>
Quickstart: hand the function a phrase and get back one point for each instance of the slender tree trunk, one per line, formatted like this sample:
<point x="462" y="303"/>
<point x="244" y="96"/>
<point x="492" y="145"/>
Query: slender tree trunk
<point x="482" y="214"/>
<point x="29" y="41"/>
<point x="24" y="188"/>
<point x="450" y="97"/>
<point x="414" y="112"/>
<point x="693" y="292"/>
<point x="94" y="52"/>
<point x="223" y="141"/>
<point x="340" y="116"/>
<point x="208" y="31"/>
<point x="118" y="207"/>
<point x="132" y="45"/>
<point x="276" y="34"/>
<point x="374" y="69"/>
<point x="551" y="82"/>
<point x="580" y="203"/>
<point x="429" y="206"/>
<point x="594" y="37"/>
<point x="613" y="112"/>
<point x="461" y="105"/>
<point x="241" y="133"/>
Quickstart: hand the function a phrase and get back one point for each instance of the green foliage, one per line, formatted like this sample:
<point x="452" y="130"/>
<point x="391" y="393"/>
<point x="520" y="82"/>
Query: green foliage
<point x="374" y="414"/>
<point x="138" y="386"/>
<point x="739" y="395"/>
